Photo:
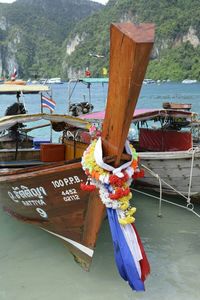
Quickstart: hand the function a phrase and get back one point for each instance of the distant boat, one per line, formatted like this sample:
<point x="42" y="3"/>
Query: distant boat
<point x="148" y="81"/>
<point x="83" y="106"/>
<point x="189" y="81"/>
<point x="43" y="80"/>
<point x="56" y="80"/>
<point x="15" y="82"/>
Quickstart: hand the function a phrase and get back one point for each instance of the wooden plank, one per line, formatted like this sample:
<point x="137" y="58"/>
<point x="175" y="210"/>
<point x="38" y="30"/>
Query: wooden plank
<point x="92" y="223"/>
<point x="130" y="50"/>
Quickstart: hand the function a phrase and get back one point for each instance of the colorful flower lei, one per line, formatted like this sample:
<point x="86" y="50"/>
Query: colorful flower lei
<point x="114" y="189"/>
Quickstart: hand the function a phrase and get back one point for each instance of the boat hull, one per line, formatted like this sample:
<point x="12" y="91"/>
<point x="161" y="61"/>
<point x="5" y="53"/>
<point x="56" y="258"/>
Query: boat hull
<point x="174" y="168"/>
<point x="50" y="197"/>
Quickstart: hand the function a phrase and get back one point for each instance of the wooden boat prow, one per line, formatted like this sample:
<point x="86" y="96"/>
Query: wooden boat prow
<point x="131" y="46"/>
<point x="50" y="195"/>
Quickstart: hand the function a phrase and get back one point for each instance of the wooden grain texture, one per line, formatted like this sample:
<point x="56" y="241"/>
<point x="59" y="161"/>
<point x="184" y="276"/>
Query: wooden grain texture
<point x="92" y="223"/>
<point x="130" y="50"/>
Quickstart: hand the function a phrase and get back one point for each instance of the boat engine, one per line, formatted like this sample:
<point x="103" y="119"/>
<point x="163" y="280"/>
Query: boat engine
<point x="80" y="108"/>
<point x="12" y="137"/>
<point x="16" y="108"/>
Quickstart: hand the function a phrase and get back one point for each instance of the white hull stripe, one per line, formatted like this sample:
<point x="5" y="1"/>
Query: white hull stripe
<point x="84" y="249"/>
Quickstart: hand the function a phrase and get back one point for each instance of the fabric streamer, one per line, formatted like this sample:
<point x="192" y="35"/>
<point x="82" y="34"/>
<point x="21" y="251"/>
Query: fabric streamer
<point x="144" y="264"/>
<point x="113" y="184"/>
<point x="123" y="257"/>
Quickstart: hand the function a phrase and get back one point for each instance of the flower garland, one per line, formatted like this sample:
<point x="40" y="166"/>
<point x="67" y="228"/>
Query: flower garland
<point x="113" y="184"/>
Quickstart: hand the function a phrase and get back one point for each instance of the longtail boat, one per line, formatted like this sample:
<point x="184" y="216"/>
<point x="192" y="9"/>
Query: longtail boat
<point x="46" y="192"/>
<point x="167" y="141"/>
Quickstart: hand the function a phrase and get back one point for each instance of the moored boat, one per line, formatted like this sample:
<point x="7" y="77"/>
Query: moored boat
<point x="79" y="106"/>
<point x="46" y="191"/>
<point x="41" y="184"/>
<point x="168" y="143"/>
<point x="169" y="149"/>
<point x="15" y="82"/>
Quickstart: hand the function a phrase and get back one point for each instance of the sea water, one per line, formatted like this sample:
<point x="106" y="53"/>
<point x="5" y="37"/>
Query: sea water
<point x="35" y="265"/>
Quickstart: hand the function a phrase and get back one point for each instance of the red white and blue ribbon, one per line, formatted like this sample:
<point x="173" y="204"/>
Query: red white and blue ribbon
<point x="129" y="253"/>
<point x="113" y="184"/>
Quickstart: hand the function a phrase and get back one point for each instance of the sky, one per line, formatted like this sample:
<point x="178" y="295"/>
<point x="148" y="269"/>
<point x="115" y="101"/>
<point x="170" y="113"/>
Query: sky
<point x="10" y="1"/>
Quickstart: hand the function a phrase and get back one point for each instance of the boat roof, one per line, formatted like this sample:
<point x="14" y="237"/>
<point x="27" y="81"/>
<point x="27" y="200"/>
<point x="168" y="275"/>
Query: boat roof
<point x="9" y="89"/>
<point x="8" y="121"/>
<point x="141" y="114"/>
<point x="92" y="80"/>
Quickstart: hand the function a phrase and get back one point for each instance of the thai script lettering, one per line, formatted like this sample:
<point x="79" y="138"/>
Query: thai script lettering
<point x="23" y="192"/>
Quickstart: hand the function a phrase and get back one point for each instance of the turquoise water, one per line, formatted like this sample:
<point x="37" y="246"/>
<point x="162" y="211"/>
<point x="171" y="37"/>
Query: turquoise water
<point x="37" y="266"/>
<point x="151" y="96"/>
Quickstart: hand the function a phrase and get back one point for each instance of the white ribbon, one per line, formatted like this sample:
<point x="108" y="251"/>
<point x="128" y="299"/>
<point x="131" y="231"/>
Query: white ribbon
<point x="98" y="155"/>
<point x="132" y="242"/>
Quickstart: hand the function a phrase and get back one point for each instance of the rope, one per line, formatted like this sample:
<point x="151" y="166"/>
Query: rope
<point x="158" y="177"/>
<point x="196" y="149"/>
<point x="189" y="206"/>
<point x="169" y="202"/>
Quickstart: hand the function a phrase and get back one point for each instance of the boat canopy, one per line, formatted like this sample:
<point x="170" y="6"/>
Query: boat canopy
<point x="143" y="114"/>
<point x="8" y="121"/>
<point x="9" y="89"/>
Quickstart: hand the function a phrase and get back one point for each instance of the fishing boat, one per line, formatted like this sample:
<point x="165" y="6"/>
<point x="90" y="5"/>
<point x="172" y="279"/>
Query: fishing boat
<point x="77" y="107"/>
<point x="44" y="189"/>
<point x="168" y="143"/>
<point x="40" y="180"/>
<point x="169" y="147"/>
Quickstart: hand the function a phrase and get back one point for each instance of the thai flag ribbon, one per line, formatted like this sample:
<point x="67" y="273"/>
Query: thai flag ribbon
<point x="129" y="253"/>
<point x="48" y="103"/>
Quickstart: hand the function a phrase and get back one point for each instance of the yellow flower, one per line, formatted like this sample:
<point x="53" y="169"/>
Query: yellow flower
<point x="127" y="220"/>
<point x="124" y="205"/>
<point x="131" y="211"/>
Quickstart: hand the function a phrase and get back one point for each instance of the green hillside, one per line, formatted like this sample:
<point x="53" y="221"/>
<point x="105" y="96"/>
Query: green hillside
<point x="176" y="52"/>
<point x="32" y="33"/>
<point x="46" y="38"/>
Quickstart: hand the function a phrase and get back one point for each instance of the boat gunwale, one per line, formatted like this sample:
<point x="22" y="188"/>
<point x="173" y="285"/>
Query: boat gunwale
<point x="40" y="170"/>
<point x="166" y="155"/>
